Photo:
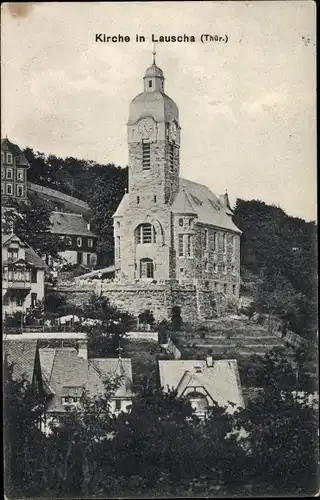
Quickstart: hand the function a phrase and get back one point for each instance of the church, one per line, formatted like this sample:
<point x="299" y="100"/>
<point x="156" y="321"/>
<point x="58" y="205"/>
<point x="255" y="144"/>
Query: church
<point x="176" y="244"/>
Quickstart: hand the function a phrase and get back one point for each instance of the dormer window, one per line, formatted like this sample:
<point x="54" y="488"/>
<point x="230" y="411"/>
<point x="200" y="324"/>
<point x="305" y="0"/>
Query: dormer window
<point x="79" y="241"/>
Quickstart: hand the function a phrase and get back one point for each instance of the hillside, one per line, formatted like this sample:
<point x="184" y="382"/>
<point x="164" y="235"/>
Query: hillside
<point x="278" y="252"/>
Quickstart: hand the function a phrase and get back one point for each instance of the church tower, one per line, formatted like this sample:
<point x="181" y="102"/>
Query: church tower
<point x="154" y="143"/>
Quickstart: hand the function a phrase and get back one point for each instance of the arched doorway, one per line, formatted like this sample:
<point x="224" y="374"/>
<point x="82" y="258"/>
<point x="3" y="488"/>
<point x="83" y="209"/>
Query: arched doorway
<point x="146" y="268"/>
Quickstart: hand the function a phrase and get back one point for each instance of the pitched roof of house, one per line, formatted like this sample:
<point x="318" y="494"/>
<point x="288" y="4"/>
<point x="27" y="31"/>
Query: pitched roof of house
<point x="16" y="151"/>
<point x="197" y="198"/>
<point x="6" y="238"/>
<point x="221" y="381"/>
<point x="68" y="373"/>
<point x="34" y="259"/>
<point x="123" y="206"/>
<point x="69" y="224"/>
<point x="22" y="353"/>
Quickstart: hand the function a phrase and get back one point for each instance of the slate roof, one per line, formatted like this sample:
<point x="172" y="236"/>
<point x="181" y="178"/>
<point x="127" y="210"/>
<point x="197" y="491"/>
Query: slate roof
<point x="221" y="381"/>
<point x="34" y="260"/>
<point x="68" y="373"/>
<point x="21" y="160"/>
<point x="69" y="224"/>
<point x="22" y="353"/>
<point x="196" y="199"/>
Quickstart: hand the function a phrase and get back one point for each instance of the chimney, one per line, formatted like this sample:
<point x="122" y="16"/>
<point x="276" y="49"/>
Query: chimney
<point x="209" y="361"/>
<point x="83" y="349"/>
<point x="88" y="226"/>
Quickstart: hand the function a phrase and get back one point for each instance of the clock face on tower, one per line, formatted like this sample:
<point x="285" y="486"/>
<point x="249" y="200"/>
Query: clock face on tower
<point x="146" y="128"/>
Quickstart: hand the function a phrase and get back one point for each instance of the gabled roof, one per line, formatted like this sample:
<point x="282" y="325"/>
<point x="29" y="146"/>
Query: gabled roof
<point x="22" y="353"/>
<point x="34" y="259"/>
<point x="197" y="198"/>
<point x="69" y="224"/>
<point x="123" y="206"/>
<point x="7" y="239"/>
<point x="67" y="372"/>
<point x="21" y="160"/>
<point x="118" y="367"/>
<point x="221" y="381"/>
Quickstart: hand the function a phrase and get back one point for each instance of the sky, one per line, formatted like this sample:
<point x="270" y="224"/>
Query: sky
<point x="247" y="107"/>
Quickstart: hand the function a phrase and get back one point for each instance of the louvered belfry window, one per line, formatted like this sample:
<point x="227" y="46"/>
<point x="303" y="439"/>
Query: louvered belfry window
<point x="146" y="156"/>
<point x="171" y="156"/>
<point x="146" y="233"/>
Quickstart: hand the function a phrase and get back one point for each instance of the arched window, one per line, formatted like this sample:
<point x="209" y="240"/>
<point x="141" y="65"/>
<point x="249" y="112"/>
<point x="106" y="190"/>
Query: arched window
<point x="146" y="268"/>
<point x="146" y="233"/>
<point x="198" y="401"/>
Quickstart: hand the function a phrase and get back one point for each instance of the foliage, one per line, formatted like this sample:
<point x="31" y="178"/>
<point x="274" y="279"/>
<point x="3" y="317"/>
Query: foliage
<point x="146" y="317"/>
<point x="101" y="186"/>
<point x="283" y="436"/>
<point x="176" y="320"/>
<point x="281" y="250"/>
<point x="31" y="223"/>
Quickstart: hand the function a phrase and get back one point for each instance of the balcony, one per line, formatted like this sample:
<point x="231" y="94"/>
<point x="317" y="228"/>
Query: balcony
<point x="18" y="285"/>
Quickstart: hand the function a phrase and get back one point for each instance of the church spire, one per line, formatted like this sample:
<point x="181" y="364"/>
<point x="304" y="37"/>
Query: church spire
<point x="153" y="78"/>
<point x="154" y="53"/>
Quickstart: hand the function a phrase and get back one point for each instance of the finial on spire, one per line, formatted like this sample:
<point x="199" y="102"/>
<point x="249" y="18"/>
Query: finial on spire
<point x="119" y="349"/>
<point x="154" y="53"/>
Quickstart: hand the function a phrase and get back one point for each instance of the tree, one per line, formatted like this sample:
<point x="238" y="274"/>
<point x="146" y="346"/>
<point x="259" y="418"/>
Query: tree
<point x="282" y="431"/>
<point x="23" y="440"/>
<point x="31" y="223"/>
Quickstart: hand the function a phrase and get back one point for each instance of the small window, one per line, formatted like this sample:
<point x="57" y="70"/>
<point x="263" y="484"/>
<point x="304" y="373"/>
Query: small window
<point x="2" y="157"/>
<point x="9" y="173"/>
<point x="233" y="270"/>
<point x="118" y="224"/>
<point x="9" y="158"/>
<point x="118" y="401"/>
<point x="224" y="247"/>
<point x="2" y="188"/>
<point x="214" y="241"/>
<point x="190" y="222"/>
<point x="146" y="156"/>
<point x="34" y="275"/>
<point x="118" y="248"/>
<point x="79" y="241"/>
<point x="155" y="199"/>
<point x="216" y="286"/>
<point x="181" y="270"/>
<point x="138" y="200"/>
<point x="20" y="176"/>
<point x="180" y="222"/>
<point x="33" y="299"/>
<point x="206" y="266"/>
<point x="20" y="301"/>
<point x="206" y="239"/>
<point x="88" y="259"/>
<point x="181" y="253"/>
<point x="2" y="173"/>
<point x="215" y="267"/>
<point x="234" y="289"/>
<point x="68" y="241"/>
<point x="20" y="191"/>
<point x="171" y="157"/>
<point x="9" y="189"/>
<point x="90" y="243"/>
<point x="79" y="257"/>
<point x="223" y="268"/>
<point x="189" y="245"/>
<point x="224" y="288"/>
<point x="150" y="83"/>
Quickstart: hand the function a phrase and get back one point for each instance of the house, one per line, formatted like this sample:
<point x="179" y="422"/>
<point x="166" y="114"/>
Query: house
<point x="23" y="356"/>
<point x="68" y="373"/>
<point x="14" y="166"/>
<point x="169" y="231"/>
<point x="22" y="276"/>
<point x="80" y="241"/>
<point x="203" y="382"/>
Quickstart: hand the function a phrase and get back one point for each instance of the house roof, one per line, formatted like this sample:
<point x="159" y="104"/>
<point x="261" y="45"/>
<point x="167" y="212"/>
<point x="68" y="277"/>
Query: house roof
<point x="22" y="353"/>
<point x="11" y="238"/>
<point x="34" y="259"/>
<point x="221" y="381"/>
<point x="197" y="198"/>
<point x="123" y="206"/>
<point x="21" y="160"/>
<point x="69" y="224"/>
<point x="68" y="373"/>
